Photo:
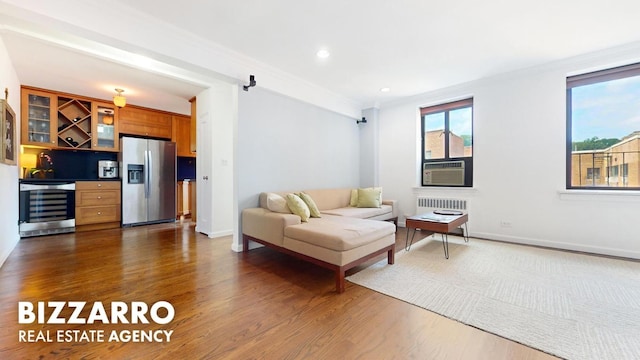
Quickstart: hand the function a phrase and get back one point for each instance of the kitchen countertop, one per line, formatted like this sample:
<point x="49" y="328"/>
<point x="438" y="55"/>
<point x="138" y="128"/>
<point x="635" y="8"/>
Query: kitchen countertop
<point x="45" y="181"/>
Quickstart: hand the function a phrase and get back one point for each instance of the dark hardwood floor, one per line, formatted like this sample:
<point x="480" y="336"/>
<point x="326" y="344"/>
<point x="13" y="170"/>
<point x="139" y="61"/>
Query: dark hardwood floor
<point x="261" y="305"/>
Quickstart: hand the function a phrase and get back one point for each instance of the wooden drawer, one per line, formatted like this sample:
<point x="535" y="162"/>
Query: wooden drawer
<point x="97" y="198"/>
<point x="97" y="185"/>
<point x="97" y="214"/>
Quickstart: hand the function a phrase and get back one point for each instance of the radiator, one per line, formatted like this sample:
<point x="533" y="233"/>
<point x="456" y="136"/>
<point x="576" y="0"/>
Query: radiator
<point x="427" y="204"/>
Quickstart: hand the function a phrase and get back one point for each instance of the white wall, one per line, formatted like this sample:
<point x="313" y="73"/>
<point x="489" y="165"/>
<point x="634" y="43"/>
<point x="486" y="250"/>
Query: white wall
<point x="9" y="174"/>
<point x="519" y="162"/>
<point x="285" y="144"/>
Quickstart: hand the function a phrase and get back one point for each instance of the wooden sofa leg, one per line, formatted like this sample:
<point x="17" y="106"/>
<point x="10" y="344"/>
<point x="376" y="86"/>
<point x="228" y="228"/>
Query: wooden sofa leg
<point x="340" y="280"/>
<point x="391" y="257"/>
<point x="245" y="243"/>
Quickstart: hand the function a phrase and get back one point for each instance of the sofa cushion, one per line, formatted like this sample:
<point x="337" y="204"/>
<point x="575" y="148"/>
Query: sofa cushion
<point x="298" y="207"/>
<point x="313" y="208"/>
<point x="338" y="257"/>
<point x="369" y="197"/>
<point x="339" y="233"/>
<point x="330" y="198"/>
<point x="267" y="225"/>
<point x="361" y="213"/>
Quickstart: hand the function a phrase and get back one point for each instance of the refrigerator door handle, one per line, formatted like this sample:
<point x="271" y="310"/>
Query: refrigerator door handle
<point x="147" y="181"/>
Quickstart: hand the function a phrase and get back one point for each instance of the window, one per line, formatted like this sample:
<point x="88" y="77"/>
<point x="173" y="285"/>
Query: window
<point x="593" y="173"/>
<point x="447" y="144"/>
<point x="603" y="129"/>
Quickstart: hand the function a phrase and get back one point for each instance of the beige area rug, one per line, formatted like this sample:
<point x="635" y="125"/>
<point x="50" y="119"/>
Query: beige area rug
<point x="570" y="305"/>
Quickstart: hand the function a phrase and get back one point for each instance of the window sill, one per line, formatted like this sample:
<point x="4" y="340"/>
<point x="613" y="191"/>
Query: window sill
<point x="599" y="195"/>
<point x="453" y="189"/>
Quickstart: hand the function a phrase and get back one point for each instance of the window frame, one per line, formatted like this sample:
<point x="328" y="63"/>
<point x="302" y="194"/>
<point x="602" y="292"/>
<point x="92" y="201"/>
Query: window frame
<point x="589" y="78"/>
<point x="468" y="160"/>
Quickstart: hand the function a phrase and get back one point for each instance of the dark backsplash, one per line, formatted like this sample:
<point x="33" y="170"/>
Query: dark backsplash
<point x="83" y="165"/>
<point x="186" y="168"/>
<point x="76" y="165"/>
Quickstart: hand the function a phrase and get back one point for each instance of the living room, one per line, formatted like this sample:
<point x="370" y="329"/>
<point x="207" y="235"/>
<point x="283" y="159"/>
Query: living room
<point x="288" y="135"/>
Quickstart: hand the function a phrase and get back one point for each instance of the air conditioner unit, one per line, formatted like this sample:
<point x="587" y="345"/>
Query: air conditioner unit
<point x="443" y="173"/>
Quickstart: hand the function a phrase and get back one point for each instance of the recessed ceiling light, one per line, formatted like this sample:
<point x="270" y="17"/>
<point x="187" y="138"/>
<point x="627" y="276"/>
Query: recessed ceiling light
<point x="385" y="89"/>
<point x="323" y="54"/>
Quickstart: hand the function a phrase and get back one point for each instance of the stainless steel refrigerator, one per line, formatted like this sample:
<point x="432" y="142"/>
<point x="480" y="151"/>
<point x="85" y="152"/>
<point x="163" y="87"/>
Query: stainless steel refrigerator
<point x="148" y="172"/>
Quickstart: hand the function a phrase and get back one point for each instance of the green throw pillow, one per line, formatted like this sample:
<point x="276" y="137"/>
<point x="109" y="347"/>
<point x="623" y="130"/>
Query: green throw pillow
<point x="370" y="198"/>
<point x="313" y="208"/>
<point x="298" y="207"/>
<point x="354" y="198"/>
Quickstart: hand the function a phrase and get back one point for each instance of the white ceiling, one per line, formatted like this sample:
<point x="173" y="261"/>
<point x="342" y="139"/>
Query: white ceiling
<point x="48" y="66"/>
<point x="410" y="46"/>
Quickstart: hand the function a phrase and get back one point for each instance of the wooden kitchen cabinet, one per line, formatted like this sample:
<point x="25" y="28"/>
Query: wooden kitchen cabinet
<point x="182" y="135"/>
<point x="189" y="201"/>
<point x="134" y="120"/>
<point x="105" y="127"/>
<point x="39" y="120"/>
<point x="66" y="121"/>
<point x="97" y="205"/>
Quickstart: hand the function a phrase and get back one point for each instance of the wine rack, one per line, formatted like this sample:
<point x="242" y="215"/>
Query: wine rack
<point x="74" y="123"/>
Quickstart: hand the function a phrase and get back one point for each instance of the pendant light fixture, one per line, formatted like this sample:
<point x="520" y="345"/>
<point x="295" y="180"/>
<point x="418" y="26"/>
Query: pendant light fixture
<point x="119" y="100"/>
<point x="107" y="119"/>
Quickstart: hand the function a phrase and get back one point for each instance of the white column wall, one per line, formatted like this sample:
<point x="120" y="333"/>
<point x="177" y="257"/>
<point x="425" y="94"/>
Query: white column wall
<point x="368" y="148"/>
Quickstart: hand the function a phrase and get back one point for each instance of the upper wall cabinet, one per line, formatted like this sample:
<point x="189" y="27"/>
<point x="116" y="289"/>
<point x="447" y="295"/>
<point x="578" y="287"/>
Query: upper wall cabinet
<point x="39" y="120"/>
<point x="65" y="121"/>
<point x="182" y="135"/>
<point x="105" y="127"/>
<point x="57" y="120"/>
<point x="140" y="121"/>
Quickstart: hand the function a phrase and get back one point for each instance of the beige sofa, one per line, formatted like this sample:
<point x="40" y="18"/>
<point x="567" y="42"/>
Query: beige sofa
<point x="342" y="238"/>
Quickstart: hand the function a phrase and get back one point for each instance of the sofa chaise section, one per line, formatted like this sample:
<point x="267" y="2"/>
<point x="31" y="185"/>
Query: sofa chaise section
<point x="338" y="241"/>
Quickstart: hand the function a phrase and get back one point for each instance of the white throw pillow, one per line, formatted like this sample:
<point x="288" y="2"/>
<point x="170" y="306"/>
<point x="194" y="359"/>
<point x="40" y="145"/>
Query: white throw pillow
<point x="277" y="203"/>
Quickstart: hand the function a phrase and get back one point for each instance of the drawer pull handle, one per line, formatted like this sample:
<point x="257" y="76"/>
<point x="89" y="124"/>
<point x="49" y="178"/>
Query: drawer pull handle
<point x="99" y="185"/>
<point x="99" y="197"/>
<point x="99" y="213"/>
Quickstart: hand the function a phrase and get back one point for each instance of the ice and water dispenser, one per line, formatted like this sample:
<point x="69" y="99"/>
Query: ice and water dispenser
<point x="135" y="174"/>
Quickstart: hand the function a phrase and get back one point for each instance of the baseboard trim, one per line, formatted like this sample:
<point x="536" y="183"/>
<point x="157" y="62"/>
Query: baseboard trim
<point x="5" y="255"/>
<point x="598" y="250"/>
<point x="215" y="234"/>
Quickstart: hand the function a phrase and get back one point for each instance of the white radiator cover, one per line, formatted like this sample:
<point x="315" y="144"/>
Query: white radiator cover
<point x="426" y="204"/>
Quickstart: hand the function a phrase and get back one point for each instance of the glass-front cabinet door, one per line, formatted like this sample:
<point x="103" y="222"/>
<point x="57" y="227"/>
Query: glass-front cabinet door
<point x="39" y="123"/>
<point x="105" y="127"/>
